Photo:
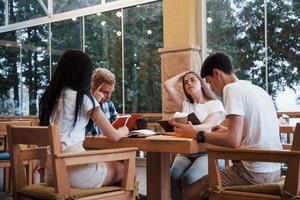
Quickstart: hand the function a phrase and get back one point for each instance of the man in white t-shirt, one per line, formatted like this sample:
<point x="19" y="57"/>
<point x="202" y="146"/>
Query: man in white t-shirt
<point x="252" y="123"/>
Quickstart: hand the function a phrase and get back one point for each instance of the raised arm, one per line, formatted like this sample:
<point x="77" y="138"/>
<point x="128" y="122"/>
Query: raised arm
<point x="108" y="130"/>
<point x="174" y="94"/>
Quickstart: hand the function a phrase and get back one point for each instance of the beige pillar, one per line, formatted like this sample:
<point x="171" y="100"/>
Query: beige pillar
<point x="182" y="41"/>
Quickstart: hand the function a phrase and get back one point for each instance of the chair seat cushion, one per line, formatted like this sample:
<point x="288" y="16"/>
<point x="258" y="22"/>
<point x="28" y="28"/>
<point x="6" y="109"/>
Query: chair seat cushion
<point x="274" y="188"/>
<point x="45" y="192"/>
<point x="4" y="156"/>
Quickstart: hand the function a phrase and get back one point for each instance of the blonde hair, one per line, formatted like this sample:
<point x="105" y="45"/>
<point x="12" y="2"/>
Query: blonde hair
<point x="102" y="75"/>
<point x="204" y="87"/>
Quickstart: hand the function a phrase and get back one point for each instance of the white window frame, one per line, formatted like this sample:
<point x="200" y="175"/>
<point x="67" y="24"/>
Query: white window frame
<point x="50" y="18"/>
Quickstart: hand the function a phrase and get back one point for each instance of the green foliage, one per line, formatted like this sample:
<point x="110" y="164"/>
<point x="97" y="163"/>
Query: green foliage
<point x="24" y="56"/>
<point x="238" y="29"/>
<point x="143" y="36"/>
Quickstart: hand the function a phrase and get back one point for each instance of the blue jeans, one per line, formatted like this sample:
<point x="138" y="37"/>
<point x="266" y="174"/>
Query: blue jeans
<point x="185" y="170"/>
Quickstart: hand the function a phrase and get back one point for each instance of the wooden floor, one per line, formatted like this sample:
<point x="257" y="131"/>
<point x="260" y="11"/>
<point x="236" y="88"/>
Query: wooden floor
<point x="141" y="176"/>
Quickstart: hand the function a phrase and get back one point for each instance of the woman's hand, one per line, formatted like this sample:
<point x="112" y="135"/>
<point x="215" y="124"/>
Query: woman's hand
<point x="123" y="131"/>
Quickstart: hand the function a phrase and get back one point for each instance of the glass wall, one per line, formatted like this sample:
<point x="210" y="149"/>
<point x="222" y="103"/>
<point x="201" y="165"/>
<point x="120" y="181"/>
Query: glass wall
<point x="2" y="14"/>
<point x="238" y="28"/>
<point x="34" y="65"/>
<point x="60" y="6"/>
<point x="142" y="38"/>
<point x="10" y="74"/>
<point x="123" y="40"/>
<point x="103" y="42"/>
<point x="24" y="10"/>
<point x="62" y="40"/>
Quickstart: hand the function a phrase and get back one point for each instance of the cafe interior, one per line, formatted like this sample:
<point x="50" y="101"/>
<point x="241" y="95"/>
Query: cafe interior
<point x="144" y="43"/>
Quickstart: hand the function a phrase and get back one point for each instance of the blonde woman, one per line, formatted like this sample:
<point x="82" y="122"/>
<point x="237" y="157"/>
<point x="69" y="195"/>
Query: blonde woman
<point x="197" y="98"/>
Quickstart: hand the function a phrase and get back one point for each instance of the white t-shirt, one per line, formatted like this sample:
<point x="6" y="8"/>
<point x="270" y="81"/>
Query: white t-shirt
<point x="203" y="110"/>
<point x="64" y="115"/>
<point x="261" y="128"/>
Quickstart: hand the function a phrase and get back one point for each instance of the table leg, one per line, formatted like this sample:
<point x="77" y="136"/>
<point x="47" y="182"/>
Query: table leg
<point x="158" y="176"/>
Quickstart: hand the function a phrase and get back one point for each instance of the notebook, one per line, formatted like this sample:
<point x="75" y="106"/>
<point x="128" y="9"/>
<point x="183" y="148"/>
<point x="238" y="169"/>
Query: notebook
<point x="127" y="120"/>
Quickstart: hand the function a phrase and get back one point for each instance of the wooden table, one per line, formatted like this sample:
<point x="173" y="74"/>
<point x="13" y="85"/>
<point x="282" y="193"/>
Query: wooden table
<point x="158" y="150"/>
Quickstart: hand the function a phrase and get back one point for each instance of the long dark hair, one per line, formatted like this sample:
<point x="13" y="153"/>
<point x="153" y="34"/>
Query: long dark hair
<point x="74" y="70"/>
<point x="205" y="90"/>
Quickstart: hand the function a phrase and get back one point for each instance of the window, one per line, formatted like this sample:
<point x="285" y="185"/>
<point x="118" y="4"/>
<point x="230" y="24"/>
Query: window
<point x="124" y="40"/>
<point x="2" y="13"/>
<point x="60" y="6"/>
<point x="62" y="40"/>
<point x="238" y="28"/>
<point x="103" y="35"/>
<point x="24" y="10"/>
<point x="142" y="37"/>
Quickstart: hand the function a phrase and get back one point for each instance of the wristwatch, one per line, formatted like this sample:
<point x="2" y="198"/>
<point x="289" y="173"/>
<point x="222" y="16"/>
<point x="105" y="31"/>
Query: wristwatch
<point x="200" y="137"/>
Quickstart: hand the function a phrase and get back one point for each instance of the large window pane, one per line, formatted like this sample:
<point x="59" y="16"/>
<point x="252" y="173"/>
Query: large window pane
<point x="284" y="53"/>
<point x="238" y="28"/>
<point x="142" y="37"/>
<point x="2" y="14"/>
<point x="24" y="10"/>
<point x="35" y="66"/>
<point x="67" y="5"/>
<point x="103" y="40"/>
<point x="66" y="35"/>
<point x="9" y="74"/>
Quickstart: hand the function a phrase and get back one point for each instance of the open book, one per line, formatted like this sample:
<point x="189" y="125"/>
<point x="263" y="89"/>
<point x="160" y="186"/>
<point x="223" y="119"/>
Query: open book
<point x="126" y="120"/>
<point x="141" y="133"/>
<point x="167" y="127"/>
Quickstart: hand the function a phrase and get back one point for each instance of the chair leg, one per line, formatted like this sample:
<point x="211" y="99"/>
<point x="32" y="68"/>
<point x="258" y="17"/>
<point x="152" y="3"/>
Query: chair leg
<point x="29" y="172"/>
<point x="6" y="180"/>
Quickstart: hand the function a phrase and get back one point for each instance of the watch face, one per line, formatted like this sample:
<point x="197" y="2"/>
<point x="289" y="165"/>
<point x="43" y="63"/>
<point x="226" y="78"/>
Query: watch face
<point x="200" y="136"/>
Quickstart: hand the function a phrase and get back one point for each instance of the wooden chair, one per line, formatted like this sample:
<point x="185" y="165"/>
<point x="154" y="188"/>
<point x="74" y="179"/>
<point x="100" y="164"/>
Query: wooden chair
<point x="286" y="189"/>
<point x="5" y="160"/>
<point x="45" y="137"/>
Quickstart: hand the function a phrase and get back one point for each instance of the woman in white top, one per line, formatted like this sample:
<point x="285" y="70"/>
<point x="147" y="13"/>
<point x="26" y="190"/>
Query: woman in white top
<point x="186" y="169"/>
<point x="68" y="103"/>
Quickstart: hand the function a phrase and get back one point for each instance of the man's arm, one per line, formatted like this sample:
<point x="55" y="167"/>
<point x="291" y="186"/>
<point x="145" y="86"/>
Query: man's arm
<point x="223" y="136"/>
<point x="229" y="137"/>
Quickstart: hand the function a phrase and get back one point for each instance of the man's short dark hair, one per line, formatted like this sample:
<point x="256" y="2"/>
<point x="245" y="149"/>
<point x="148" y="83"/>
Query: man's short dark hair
<point x="219" y="61"/>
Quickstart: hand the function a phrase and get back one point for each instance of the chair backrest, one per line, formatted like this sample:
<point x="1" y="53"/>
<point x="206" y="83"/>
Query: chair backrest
<point x="3" y="128"/>
<point x="3" y="124"/>
<point x="296" y="139"/>
<point x="292" y="180"/>
<point x="41" y="138"/>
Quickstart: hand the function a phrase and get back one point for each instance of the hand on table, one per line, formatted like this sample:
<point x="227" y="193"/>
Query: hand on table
<point x="123" y="131"/>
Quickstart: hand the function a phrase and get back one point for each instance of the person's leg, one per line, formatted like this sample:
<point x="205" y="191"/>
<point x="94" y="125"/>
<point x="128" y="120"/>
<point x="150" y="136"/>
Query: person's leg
<point x="234" y="175"/>
<point x="179" y="166"/>
<point x="198" y="169"/>
<point x="197" y="190"/>
<point x="239" y="175"/>
<point x="115" y="173"/>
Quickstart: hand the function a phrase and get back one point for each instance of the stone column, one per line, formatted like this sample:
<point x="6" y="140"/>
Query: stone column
<point x="174" y="61"/>
<point x="183" y="39"/>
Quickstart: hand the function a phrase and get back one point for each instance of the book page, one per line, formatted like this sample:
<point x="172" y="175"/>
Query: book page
<point x="141" y="133"/>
